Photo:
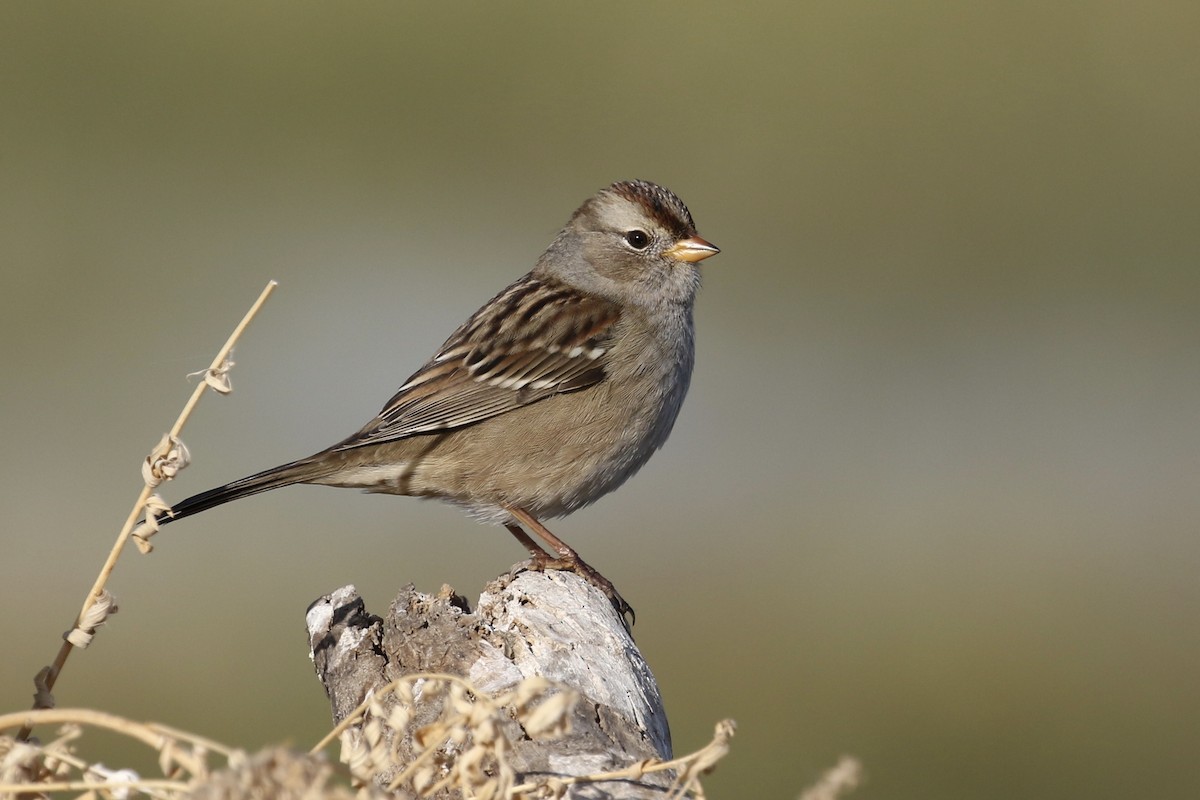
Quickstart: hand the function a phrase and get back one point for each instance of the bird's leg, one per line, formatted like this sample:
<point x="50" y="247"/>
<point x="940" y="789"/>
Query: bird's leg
<point x="539" y="558"/>
<point x="567" y="559"/>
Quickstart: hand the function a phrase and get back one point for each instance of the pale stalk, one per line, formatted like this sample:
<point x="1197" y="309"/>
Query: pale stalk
<point x="65" y="650"/>
<point x="378" y="694"/>
<point x="32" y="789"/>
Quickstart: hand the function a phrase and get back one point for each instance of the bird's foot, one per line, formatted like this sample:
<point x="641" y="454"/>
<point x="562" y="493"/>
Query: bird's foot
<point x="544" y="561"/>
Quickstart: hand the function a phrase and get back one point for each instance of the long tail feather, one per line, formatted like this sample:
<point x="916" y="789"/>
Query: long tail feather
<point x="283" y="475"/>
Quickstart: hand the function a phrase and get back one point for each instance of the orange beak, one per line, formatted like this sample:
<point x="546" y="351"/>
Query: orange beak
<point x="691" y="250"/>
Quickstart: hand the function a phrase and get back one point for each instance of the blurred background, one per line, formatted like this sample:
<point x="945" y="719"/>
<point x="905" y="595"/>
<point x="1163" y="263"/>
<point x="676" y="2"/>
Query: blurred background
<point x="933" y="500"/>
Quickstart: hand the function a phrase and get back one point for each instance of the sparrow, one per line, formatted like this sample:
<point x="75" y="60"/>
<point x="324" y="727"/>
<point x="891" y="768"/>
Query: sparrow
<point x="550" y="396"/>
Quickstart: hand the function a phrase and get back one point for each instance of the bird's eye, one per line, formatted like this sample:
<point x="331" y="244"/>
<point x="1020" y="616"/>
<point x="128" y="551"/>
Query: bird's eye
<point x="637" y="239"/>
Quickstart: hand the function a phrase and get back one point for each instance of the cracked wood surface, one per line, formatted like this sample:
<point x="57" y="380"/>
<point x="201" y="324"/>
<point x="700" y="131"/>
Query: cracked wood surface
<point x="552" y="624"/>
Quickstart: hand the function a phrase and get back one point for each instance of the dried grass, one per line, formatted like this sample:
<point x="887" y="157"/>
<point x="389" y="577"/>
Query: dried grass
<point x="453" y="734"/>
<point x="163" y="463"/>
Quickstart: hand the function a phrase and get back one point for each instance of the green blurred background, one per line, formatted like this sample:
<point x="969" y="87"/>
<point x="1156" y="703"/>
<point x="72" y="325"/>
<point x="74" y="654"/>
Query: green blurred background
<point x="933" y="500"/>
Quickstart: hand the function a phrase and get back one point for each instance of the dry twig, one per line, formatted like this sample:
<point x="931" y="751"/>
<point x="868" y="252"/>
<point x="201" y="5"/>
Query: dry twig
<point x="162" y="464"/>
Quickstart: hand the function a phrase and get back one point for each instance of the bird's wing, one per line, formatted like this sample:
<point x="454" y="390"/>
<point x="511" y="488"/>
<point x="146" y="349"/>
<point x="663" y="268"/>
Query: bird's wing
<point x="535" y="339"/>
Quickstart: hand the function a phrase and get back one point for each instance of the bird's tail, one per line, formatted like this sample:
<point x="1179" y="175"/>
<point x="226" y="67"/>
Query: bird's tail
<point x="301" y="471"/>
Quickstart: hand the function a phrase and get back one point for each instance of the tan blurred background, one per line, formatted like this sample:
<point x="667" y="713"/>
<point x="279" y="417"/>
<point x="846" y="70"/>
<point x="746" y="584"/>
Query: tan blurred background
<point x="933" y="498"/>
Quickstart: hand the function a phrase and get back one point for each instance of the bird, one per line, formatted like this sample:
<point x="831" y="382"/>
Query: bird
<point x="551" y="395"/>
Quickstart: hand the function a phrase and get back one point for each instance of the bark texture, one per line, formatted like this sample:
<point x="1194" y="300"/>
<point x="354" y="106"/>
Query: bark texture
<point x="550" y="624"/>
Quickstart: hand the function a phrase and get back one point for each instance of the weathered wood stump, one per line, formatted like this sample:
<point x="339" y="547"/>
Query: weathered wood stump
<point x="550" y="624"/>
